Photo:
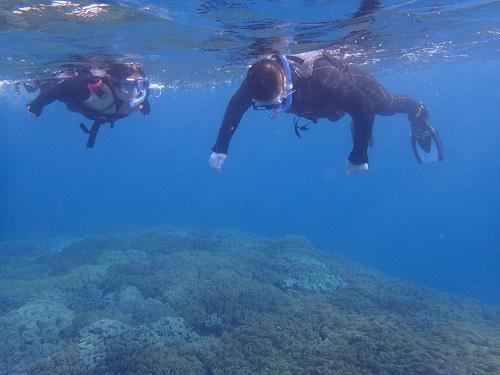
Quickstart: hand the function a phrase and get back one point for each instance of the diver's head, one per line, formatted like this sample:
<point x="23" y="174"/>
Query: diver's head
<point x="131" y="83"/>
<point x="266" y="82"/>
<point x="123" y="71"/>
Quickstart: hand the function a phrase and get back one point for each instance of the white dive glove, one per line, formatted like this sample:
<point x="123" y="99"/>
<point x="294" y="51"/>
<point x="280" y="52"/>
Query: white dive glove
<point x="216" y="161"/>
<point x="352" y="169"/>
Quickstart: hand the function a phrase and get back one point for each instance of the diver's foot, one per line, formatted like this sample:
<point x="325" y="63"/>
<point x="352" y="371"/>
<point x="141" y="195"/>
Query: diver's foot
<point x="420" y="116"/>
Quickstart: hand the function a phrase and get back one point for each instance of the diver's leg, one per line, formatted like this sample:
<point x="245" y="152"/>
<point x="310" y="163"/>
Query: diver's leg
<point x="392" y="104"/>
<point x="65" y="90"/>
<point x="422" y="134"/>
<point x="47" y="95"/>
<point x="385" y="104"/>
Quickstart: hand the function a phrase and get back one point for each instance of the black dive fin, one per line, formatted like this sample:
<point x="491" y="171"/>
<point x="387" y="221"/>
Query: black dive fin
<point x="426" y="143"/>
<point x="423" y="137"/>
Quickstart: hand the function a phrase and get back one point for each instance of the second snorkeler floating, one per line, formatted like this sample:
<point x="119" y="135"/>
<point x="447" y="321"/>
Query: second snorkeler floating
<point x="103" y="95"/>
<point x="317" y="85"/>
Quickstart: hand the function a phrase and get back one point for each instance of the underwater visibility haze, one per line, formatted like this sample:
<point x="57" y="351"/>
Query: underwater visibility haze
<point x="135" y="257"/>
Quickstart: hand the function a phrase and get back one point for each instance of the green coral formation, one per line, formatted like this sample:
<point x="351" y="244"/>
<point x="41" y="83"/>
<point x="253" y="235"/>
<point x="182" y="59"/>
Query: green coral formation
<point x="178" y="301"/>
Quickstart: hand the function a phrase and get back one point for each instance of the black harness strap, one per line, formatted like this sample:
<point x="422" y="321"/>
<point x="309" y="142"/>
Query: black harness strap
<point x="298" y="128"/>
<point x="92" y="132"/>
<point x="100" y="117"/>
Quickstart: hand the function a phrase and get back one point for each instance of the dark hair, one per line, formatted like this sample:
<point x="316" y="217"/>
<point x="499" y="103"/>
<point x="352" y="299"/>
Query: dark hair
<point x="122" y="71"/>
<point x="264" y="79"/>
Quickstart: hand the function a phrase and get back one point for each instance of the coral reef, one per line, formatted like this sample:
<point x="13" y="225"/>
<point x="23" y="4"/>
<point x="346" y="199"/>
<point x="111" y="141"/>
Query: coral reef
<point x="31" y="333"/>
<point x="178" y="301"/>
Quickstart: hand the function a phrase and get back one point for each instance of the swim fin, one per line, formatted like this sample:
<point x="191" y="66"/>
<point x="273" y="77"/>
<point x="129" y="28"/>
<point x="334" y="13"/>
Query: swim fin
<point x="426" y="142"/>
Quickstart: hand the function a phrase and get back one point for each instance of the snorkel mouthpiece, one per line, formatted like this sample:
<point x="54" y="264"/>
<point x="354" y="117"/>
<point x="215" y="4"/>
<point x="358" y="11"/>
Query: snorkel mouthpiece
<point x="133" y="102"/>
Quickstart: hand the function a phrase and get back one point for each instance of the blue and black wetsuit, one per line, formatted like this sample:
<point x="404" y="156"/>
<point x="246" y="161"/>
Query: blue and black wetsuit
<point x="326" y="87"/>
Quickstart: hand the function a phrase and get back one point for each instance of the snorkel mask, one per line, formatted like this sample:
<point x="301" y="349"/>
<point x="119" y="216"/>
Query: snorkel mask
<point x="134" y="89"/>
<point x="283" y="102"/>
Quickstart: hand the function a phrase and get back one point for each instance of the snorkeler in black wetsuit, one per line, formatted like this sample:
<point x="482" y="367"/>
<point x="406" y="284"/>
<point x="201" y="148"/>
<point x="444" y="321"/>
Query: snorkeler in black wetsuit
<point x="316" y="85"/>
<point x="102" y="95"/>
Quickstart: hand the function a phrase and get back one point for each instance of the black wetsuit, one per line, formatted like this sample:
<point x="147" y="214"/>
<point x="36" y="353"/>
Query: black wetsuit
<point x="331" y="89"/>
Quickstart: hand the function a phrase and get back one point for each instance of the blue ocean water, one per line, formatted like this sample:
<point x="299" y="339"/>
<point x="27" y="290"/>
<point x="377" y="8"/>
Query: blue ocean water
<point x="437" y="224"/>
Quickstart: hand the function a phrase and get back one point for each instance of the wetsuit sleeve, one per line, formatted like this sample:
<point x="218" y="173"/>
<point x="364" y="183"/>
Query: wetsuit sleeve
<point x="66" y="90"/>
<point x="362" y="123"/>
<point x="238" y="105"/>
<point x="338" y="88"/>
